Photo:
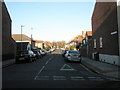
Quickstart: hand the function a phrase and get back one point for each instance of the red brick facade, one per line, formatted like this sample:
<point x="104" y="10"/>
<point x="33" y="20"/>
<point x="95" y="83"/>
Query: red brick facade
<point x="8" y="44"/>
<point x="104" y="23"/>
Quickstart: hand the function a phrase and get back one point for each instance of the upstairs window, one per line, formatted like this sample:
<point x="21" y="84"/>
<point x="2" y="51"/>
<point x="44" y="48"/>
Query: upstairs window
<point x="95" y="43"/>
<point x="101" y="42"/>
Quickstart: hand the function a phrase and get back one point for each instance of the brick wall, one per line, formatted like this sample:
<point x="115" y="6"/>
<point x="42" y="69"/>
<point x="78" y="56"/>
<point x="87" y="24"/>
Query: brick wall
<point x="101" y="12"/>
<point x="104" y="22"/>
<point x="8" y="44"/>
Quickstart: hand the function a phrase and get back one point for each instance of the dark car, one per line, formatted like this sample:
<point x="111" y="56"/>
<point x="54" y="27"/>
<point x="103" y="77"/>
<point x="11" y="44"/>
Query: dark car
<point x="38" y="54"/>
<point x="26" y="55"/>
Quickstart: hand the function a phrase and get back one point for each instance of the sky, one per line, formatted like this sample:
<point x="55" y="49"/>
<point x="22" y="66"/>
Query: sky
<point x="51" y="21"/>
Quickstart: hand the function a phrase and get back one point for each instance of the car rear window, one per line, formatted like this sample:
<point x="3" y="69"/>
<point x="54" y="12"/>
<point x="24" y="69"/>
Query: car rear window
<point x="76" y="52"/>
<point x="22" y="52"/>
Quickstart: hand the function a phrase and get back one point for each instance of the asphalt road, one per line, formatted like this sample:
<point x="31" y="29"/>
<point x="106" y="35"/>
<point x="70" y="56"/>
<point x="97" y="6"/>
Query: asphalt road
<point x="51" y="71"/>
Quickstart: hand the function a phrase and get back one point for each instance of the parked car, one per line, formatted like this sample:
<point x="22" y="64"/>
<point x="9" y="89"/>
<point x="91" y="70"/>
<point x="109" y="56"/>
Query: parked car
<point x="73" y="56"/>
<point x="64" y="52"/>
<point x="52" y="49"/>
<point x="38" y="54"/>
<point x="48" y="51"/>
<point x="43" y="52"/>
<point x="26" y="55"/>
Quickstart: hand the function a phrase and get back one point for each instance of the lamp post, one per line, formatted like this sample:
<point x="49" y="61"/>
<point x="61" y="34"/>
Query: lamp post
<point x="21" y="36"/>
<point x="31" y="37"/>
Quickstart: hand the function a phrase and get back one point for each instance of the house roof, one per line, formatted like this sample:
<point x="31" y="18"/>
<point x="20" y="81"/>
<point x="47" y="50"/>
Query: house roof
<point x="77" y="38"/>
<point x="89" y="33"/>
<point x="17" y="37"/>
<point x="48" y="43"/>
<point x="39" y="41"/>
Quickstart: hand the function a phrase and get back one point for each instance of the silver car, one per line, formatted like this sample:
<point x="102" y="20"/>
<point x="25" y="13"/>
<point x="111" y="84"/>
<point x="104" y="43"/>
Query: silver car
<point x="73" y="56"/>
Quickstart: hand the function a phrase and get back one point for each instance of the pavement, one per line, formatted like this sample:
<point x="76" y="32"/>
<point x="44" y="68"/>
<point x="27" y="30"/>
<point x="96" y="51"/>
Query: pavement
<point x="106" y="69"/>
<point x="9" y="62"/>
<point x="109" y="70"/>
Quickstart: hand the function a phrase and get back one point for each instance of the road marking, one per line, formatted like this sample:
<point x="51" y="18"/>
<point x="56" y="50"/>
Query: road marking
<point x="39" y="72"/>
<point x="77" y="78"/>
<point x="85" y="68"/>
<point x="42" y="78"/>
<point x="113" y="79"/>
<point x="96" y="78"/>
<point x="51" y="58"/>
<point x="43" y="68"/>
<point x="46" y="62"/>
<point x="66" y="67"/>
<point x="59" y="78"/>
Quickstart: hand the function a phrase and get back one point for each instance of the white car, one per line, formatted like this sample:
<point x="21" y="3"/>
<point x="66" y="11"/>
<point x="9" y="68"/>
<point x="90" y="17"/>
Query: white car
<point x="43" y="52"/>
<point x="72" y="55"/>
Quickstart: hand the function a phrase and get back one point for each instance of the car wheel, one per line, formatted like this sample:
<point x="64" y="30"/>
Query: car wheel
<point x="30" y="60"/>
<point x="65" y="59"/>
<point x="80" y="60"/>
<point x="16" y="61"/>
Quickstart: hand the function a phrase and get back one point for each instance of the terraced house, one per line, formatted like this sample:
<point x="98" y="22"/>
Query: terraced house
<point x="105" y="32"/>
<point x="8" y="44"/>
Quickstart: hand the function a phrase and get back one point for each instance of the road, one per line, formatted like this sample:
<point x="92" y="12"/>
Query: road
<point x="51" y="71"/>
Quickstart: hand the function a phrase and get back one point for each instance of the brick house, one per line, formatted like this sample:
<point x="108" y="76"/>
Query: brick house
<point x="105" y="32"/>
<point x="25" y="39"/>
<point x="39" y="44"/>
<point x="85" y="47"/>
<point x="8" y="44"/>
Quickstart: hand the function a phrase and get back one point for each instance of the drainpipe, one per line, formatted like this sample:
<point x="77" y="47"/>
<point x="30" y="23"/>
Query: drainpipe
<point x="118" y="16"/>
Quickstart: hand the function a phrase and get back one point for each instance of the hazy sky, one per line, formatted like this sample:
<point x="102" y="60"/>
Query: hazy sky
<point x="51" y="21"/>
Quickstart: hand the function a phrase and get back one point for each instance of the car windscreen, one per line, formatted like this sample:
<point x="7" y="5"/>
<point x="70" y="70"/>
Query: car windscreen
<point x="74" y="52"/>
<point x="35" y="52"/>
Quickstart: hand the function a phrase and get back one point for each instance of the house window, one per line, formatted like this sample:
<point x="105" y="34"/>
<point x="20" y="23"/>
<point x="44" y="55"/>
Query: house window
<point x="101" y="42"/>
<point x="94" y="43"/>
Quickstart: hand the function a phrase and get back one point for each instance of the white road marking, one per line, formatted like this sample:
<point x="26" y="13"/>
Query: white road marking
<point x="59" y="78"/>
<point x="113" y="79"/>
<point x="77" y="78"/>
<point x="85" y="68"/>
<point x="42" y="78"/>
<point x="43" y="68"/>
<point x="96" y="78"/>
<point x="39" y="72"/>
<point x="68" y="68"/>
<point x="50" y="58"/>
<point x="46" y="62"/>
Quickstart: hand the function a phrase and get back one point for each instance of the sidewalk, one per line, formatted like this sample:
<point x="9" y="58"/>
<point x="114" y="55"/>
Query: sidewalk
<point x="109" y="70"/>
<point x="6" y="63"/>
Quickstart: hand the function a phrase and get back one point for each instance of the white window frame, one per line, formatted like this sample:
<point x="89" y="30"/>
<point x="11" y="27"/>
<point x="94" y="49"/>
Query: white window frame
<point x="95" y="43"/>
<point x="101" y="42"/>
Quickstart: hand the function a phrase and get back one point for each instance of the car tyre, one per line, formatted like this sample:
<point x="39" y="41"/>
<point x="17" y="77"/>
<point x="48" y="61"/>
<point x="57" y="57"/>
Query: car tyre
<point x="16" y="61"/>
<point x="80" y="60"/>
<point x="30" y="60"/>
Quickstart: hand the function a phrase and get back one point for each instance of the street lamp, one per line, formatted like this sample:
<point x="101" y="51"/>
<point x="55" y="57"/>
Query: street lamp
<point x="21" y="36"/>
<point x="31" y="38"/>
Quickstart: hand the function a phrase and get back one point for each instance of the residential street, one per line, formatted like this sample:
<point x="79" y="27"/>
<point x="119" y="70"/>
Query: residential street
<point x="51" y="71"/>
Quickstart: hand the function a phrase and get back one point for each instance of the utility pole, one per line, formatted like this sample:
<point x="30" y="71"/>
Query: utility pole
<point x="31" y="37"/>
<point x="21" y="37"/>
